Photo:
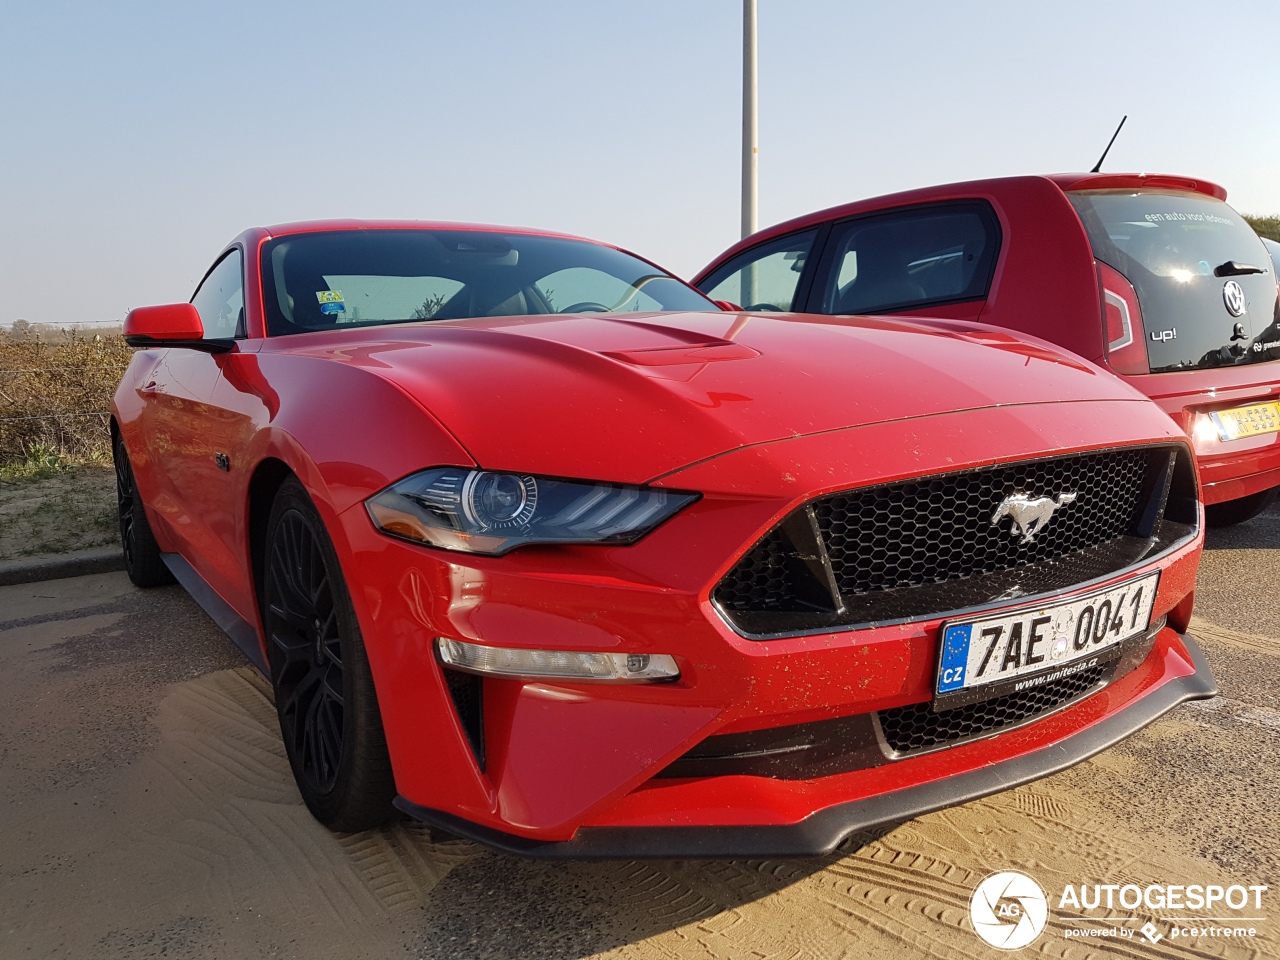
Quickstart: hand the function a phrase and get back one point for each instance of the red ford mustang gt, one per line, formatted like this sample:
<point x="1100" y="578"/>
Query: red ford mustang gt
<point x="1153" y="276"/>
<point x="542" y="547"/>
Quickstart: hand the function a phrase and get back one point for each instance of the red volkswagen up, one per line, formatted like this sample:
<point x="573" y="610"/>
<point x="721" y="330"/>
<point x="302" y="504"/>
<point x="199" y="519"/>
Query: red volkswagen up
<point x="1151" y="276"/>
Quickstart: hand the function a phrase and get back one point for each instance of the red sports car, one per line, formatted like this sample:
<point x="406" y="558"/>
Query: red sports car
<point x="538" y="544"/>
<point x="1154" y="277"/>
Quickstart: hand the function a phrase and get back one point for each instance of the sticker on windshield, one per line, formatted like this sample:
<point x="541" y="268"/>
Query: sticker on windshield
<point x="330" y="302"/>
<point x="1173" y="216"/>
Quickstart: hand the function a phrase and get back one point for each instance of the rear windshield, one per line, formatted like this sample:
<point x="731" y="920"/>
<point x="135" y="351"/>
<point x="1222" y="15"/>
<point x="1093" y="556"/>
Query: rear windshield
<point x="347" y="278"/>
<point x="1205" y="283"/>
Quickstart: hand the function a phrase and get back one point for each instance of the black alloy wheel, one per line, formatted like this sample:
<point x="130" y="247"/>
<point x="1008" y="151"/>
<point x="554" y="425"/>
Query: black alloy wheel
<point x="125" y="495"/>
<point x="323" y="687"/>
<point x="142" y="558"/>
<point x="302" y="627"/>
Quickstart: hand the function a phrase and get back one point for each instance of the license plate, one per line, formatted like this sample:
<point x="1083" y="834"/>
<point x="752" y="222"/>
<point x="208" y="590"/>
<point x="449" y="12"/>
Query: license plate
<point x="1250" y="421"/>
<point x="1017" y="650"/>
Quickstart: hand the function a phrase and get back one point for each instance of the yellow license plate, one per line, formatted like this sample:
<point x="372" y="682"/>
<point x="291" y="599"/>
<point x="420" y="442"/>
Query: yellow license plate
<point x="1247" y="421"/>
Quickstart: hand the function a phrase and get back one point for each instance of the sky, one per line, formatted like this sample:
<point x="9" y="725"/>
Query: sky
<point x="138" y="138"/>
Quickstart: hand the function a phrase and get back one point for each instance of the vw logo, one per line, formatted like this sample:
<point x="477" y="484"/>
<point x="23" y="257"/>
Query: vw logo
<point x="1008" y="910"/>
<point x="1233" y="297"/>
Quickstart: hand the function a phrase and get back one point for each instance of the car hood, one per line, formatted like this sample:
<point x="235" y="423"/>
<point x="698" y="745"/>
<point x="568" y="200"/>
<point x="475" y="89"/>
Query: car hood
<point x="630" y="398"/>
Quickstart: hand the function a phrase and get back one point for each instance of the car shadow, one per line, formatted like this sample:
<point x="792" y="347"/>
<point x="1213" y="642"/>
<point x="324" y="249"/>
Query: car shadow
<point x="1263" y="531"/>
<point x="534" y="908"/>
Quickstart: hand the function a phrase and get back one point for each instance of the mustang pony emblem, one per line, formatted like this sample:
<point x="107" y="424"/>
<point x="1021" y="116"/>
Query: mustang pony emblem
<point x="1030" y="514"/>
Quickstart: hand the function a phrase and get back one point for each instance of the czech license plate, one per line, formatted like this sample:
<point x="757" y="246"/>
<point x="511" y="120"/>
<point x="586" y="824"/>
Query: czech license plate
<point x="1007" y="652"/>
<point x="1247" y="421"/>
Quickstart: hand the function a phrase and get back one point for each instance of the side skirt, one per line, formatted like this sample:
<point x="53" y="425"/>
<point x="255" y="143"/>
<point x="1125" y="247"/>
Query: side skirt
<point x="240" y="630"/>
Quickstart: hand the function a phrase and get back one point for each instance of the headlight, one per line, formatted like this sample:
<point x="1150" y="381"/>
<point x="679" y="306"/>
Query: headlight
<point x="480" y="511"/>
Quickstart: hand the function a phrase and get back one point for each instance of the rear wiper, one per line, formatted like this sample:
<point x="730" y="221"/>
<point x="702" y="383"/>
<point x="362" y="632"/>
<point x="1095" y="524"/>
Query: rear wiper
<point x="1233" y="269"/>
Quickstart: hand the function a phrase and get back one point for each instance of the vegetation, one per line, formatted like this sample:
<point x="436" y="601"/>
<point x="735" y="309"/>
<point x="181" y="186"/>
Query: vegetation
<point x="430" y="307"/>
<point x="55" y="390"/>
<point x="1268" y="227"/>
<point x="53" y="509"/>
<point x="57" y="487"/>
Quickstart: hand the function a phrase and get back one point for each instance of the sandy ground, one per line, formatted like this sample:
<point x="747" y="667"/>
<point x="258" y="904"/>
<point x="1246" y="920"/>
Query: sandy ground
<point x="146" y="810"/>
<point x="71" y="510"/>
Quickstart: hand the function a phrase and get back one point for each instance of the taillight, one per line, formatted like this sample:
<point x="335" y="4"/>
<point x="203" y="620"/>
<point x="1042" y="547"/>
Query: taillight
<point x="1122" y="322"/>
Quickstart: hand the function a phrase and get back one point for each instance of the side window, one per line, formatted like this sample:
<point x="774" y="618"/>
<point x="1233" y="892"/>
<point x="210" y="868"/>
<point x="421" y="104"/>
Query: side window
<point x="765" y="277"/>
<point x="894" y="261"/>
<point x="220" y="299"/>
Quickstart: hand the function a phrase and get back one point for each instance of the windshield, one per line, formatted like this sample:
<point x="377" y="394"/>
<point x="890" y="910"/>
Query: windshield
<point x="340" y="279"/>
<point x="1206" y="286"/>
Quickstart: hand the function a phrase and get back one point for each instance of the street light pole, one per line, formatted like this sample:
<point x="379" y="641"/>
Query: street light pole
<point x="750" y="154"/>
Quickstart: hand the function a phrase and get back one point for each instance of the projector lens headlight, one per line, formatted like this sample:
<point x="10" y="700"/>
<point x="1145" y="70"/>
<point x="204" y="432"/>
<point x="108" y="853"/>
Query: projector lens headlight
<point x="482" y="511"/>
<point x="558" y="664"/>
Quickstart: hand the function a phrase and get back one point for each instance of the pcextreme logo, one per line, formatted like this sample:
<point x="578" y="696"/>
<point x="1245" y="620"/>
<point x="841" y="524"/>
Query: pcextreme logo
<point x="1008" y="910"/>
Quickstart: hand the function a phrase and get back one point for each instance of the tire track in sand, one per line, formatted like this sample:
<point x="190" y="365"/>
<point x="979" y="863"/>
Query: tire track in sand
<point x="220" y="774"/>
<point x="913" y="889"/>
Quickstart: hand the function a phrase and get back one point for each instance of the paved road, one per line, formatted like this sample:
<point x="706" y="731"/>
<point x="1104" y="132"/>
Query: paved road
<point x="146" y="810"/>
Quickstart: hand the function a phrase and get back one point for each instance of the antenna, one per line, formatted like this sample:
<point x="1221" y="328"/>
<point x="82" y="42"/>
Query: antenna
<point x="1098" y="166"/>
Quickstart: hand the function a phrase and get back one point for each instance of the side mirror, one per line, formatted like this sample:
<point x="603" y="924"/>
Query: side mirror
<point x="170" y="325"/>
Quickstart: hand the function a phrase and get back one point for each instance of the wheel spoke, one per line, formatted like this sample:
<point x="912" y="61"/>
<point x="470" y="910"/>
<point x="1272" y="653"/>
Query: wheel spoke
<point x="127" y="536"/>
<point x="292" y="649"/>
<point x="331" y="642"/>
<point x="332" y="649"/>
<point x="320" y="591"/>
<point x="328" y="738"/>
<point x="332" y="685"/>
<point x="302" y="694"/>
<point x="311" y="741"/>
<point x="296" y="621"/>
<point x="284" y="569"/>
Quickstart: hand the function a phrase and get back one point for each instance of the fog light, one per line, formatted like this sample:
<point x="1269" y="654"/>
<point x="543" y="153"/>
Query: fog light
<point x="559" y="664"/>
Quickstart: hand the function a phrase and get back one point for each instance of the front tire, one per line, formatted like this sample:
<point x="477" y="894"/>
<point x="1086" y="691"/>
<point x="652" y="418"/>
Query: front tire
<point x="1231" y="512"/>
<point x="324" y="692"/>
<point x="142" y="558"/>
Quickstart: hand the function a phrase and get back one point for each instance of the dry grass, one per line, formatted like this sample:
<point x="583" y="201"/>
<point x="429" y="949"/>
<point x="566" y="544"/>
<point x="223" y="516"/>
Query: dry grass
<point x="54" y="396"/>
<point x="57" y="487"/>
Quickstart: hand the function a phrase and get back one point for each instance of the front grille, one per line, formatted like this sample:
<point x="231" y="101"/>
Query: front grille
<point x="927" y="547"/>
<point x="916" y="727"/>
<point x="940" y="529"/>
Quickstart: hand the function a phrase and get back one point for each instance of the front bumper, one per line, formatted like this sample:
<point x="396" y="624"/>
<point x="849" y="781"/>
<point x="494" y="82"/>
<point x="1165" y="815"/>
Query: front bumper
<point x="563" y="762"/>
<point x="823" y="831"/>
